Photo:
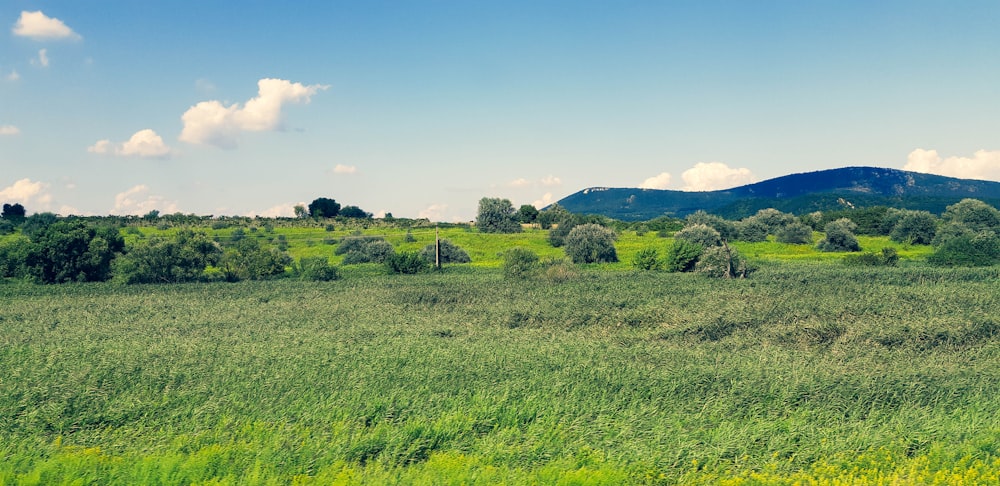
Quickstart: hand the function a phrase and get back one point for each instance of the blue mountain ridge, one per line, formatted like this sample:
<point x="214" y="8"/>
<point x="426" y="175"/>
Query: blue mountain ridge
<point x="795" y="193"/>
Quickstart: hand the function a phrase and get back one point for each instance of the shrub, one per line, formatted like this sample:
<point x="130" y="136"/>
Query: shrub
<point x="407" y="262"/>
<point x="682" y="256"/>
<point x="722" y="262"/>
<point x="701" y="235"/>
<point x="951" y="230"/>
<point x="591" y="243"/>
<point x="364" y="249"/>
<point x="6" y="227"/>
<point x="561" y="229"/>
<point x="888" y="257"/>
<point x="796" y="234"/>
<point x="772" y="218"/>
<point x="840" y="236"/>
<point x="558" y="270"/>
<point x="317" y="269"/>
<point x="519" y="262"/>
<point x="914" y="227"/>
<point x="73" y="252"/>
<point x="647" y="259"/>
<point x="450" y="253"/>
<point x="13" y="255"/>
<point x="727" y="229"/>
<point x="182" y="258"/>
<point x="248" y="260"/>
<point x="752" y="230"/>
<point x="973" y="213"/>
<point x="550" y="216"/>
<point x="968" y="250"/>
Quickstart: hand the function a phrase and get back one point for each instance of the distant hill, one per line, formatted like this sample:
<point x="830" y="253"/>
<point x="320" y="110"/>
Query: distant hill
<point x="795" y="193"/>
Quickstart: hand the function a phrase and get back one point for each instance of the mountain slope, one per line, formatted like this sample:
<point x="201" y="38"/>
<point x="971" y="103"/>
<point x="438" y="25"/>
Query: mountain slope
<point x="796" y="193"/>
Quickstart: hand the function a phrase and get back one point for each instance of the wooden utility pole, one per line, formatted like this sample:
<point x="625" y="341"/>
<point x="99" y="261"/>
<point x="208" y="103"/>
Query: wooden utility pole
<point x="437" y="247"/>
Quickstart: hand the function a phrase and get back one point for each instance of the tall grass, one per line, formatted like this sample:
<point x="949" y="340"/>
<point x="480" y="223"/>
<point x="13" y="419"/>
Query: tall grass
<point x="805" y="372"/>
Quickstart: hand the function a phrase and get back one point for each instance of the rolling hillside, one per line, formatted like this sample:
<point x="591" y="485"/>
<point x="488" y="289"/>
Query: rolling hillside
<point x="795" y="193"/>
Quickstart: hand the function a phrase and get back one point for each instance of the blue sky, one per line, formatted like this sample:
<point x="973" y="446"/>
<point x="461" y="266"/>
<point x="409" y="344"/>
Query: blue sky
<point x="421" y="108"/>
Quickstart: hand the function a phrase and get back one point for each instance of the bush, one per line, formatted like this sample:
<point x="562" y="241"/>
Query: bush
<point x="551" y="216"/>
<point x="914" y="227"/>
<point x="407" y="262"/>
<point x="364" y="249"/>
<point x="561" y="229"/>
<point x="558" y="270"/>
<point x="683" y="256"/>
<point x="13" y="255"/>
<point x="968" y="250"/>
<point x="317" y="269"/>
<point x="450" y="253"/>
<point x="840" y="236"/>
<point x="772" y="218"/>
<point x="591" y="243"/>
<point x="722" y="262"/>
<point x="73" y="252"/>
<point x="182" y="258"/>
<point x="247" y="260"/>
<point x="974" y="214"/>
<point x="727" y="229"/>
<point x="752" y="230"/>
<point x="701" y="235"/>
<point x="796" y="234"/>
<point x="519" y="262"/>
<point x="647" y="259"/>
<point x="948" y="231"/>
<point x="888" y="257"/>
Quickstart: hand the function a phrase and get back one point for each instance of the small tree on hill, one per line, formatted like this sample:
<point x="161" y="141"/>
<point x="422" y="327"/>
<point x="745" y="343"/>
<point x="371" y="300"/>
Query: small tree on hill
<point x="323" y="207"/>
<point x="13" y="212"/>
<point x="496" y="215"/>
<point x="591" y="243"/>
<point x="354" y="212"/>
<point x="527" y="214"/>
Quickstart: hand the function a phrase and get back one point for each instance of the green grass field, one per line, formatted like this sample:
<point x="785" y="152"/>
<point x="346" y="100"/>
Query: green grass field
<point x="806" y="373"/>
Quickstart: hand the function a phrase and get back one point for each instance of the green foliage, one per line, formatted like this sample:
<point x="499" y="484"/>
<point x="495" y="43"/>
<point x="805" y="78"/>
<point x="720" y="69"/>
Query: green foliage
<point x="727" y="229"/>
<point x="406" y="262"/>
<point x="700" y="234"/>
<point x="7" y="227"/>
<point x="496" y="215"/>
<point x="951" y="230"/>
<point x="867" y="220"/>
<point x="248" y="260"/>
<point x="317" y="269"/>
<point x="450" y="253"/>
<point x="888" y="257"/>
<point x="974" y="214"/>
<point x="13" y="213"/>
<point x="591" y="243"/>
<point x="364" y="249"/>
<point x="37" y="223"/>
<point x="914" y="227"/>
<point x="647" y="259"/>
<point x="840" y="236"/>
<point x="519" y="262"/>
<point x="562" y="228"/>
<point x="683" y="256"/>
<point x="13" y="255"/>
<point x="353" y="212"/>
<point x="796" y="234"/>
<point x="527" y="214"/>
<point x="722" y="262"/>
<point x="772" y="218"/>
<point x="182" y="258"/>
<point x="968" y="250"/>
<point x="551" y="215"/>
<point x="752" y="230"/>
<point x="323" y="207"/>
<point x="72" y="251"/>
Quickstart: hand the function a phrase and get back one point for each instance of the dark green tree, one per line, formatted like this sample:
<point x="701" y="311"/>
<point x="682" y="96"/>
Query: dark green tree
<point x="450" y="253"/>
<point x="354" y="212"/>
<point x="700" y="234"/>
<point x="796" y="234"/>
<point x="181" y="258"/>
<point x="496" y="215"/>
<point x="914" y="227"/>
<point x="840" y="236"/>
<point x="73" y="251"/>
<point x="527" y="214"/>
<point x="323" y="207"/>
<point x="13" y="212"/>
<point x="551" y="215"/>
<point x="974" y="214"/>
<point x="248" y="260"/>
<point x="683" y="256"/>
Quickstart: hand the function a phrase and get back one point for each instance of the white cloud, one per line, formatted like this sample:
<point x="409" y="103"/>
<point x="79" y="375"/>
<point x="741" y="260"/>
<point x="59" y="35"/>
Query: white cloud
<point x="546" y="200"/>
<point x="547" y="181"/>
<point x="434" y="212"/>
<point x="9" y="130"/>
<point x="13" y="76"/>
<point x="26" y="192"/>
<point x="285" y="210"/>
<point x="551" y="180"/>
<point x="710" y="176"/>
<point x="212" y="123"/>
<point x="522" y="182"/>
<point x="144" y="143"/>
<point x="137" y="200"/>
<point x="661" y="181"/>
<point x="43" y="58"/>
<point x="38" y="26"/>
<point x="345" y="169"/>
<point x="984" y="164"/>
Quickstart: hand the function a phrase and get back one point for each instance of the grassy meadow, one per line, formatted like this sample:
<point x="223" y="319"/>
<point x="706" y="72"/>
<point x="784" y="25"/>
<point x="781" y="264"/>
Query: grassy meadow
<point x="809" y="372"/>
